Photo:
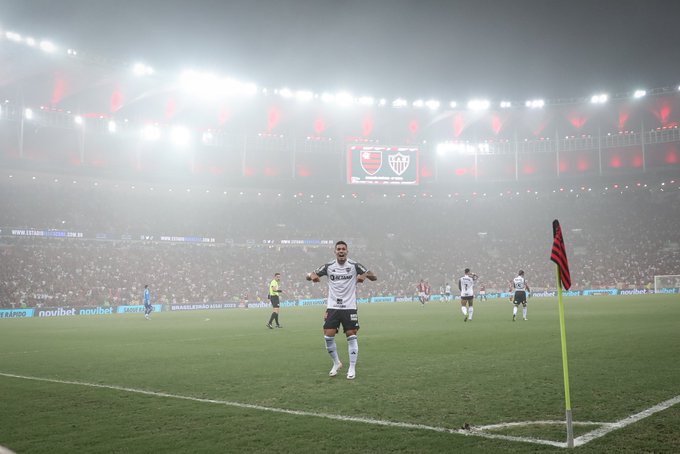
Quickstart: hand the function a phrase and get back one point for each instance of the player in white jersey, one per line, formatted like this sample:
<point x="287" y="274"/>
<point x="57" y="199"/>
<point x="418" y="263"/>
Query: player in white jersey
<point x="341" y="305"/>
<point x="466" y="285"/>
<point x="519" y="291"/>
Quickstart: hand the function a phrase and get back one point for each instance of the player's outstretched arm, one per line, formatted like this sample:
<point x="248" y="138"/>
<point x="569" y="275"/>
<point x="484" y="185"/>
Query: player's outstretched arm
<point x="313" y="277"/>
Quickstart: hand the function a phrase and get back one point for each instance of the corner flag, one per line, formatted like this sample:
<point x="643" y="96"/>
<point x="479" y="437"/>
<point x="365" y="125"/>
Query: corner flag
<point x="559" y="255"/>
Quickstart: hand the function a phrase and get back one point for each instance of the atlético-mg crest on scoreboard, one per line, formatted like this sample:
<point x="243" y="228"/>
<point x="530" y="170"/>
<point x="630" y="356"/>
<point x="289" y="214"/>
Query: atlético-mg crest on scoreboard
<point x="382" y="165"/>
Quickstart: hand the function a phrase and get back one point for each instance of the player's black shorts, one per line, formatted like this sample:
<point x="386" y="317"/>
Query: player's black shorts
<point x="274" y="300"/>
<point x="467" y="298"/>
<point x="348" y="318"/>
<point x="520" y="298"/>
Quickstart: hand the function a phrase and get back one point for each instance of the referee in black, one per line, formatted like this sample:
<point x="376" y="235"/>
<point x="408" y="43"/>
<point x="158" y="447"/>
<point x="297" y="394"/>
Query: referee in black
<point x="274" y="291"/>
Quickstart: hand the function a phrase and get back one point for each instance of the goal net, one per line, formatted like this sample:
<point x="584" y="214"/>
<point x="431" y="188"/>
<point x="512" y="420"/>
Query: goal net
<point x="669" y="283"/>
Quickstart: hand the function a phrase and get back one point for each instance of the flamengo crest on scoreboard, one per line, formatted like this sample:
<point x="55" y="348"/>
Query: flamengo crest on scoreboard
<point x="365" y="165"/>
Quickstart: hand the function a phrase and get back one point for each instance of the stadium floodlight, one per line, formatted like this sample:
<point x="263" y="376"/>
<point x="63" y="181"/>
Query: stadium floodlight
<point x="71" y="52"/>
<point x="599" y="98"/>
<point x="505" y="104"/>
<point x="478" y="104"/>
<point x="13" y="36"/>
<point x="140" y="70"/>
<point x="327" y="97"/>
<point x="432" y="104"/>
<point x="30" y="41"/>
<point x="207" y="137"/>
<point x="48" y="46"/>
<point x="344" y="98"/>
<point x="453" y="104"/>
<point x="28" y="114"/>
<point x="382" y="102"/>
<point x="78" y="120"/>
<point x="286" y="93"/>
<point x="180" y="136"/>
<point x="639" y="94"/>
<point x="366" y="100"/>
<point x="418" y="103"/>
<point x="304" y="95"/>
<point x="151" y="133"/>
<point x="112" y="126"/>
<point x="399" y="102"/>
<point x="535" y="103"/>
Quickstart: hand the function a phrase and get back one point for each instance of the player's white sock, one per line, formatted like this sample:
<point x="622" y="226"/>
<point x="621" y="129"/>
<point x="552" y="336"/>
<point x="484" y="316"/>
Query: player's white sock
<point x="471" y="310"/>
<point x="465" y="310"/>
<point x="353" y="348"/>
<point x="524" y="312"/>
<point x="332" y="350"/>
<point x="514" y="311"/>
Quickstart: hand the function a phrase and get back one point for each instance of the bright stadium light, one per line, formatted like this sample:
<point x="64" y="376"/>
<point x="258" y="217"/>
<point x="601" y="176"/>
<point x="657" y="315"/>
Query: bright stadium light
<point x="112" y="126"/>
<point x="535" y="103"/>
<point x="418" y="103"/>
<point x="478" y="104"/>
<point x="207" y="137"/>
<point x="304" y="95"/>
<point x="366" y="100"/>
<point x="453" y="104"/>
<point x="506" y="104"/>
<point x="344" y="99"/>
<point x="48" y="46"/>
<point x="30" y="41"/>
<point x="28" y="114"/>
<point x="599" y="98"/>
<point x="140" y="70"/>
<point x="639" y="94"/>
<point x="12" y="36"/>
<point x="432" y="104"/>
<point x="151" y="133"/>
<point x="327" y="97"/>
<point x="78" y="120"/>
<point x="286" y="93"/>
<point x="180" y="136"/>
<point x="399" y="102"/>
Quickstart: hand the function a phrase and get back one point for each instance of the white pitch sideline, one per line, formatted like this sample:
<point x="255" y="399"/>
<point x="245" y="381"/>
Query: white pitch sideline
<point x="474" y="431"/>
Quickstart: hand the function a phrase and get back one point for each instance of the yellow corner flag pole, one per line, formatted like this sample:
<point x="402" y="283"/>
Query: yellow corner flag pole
<point x="565" y="365"/>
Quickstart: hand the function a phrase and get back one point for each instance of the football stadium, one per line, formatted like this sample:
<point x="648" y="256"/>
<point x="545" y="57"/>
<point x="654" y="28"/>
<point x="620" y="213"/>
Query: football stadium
<point x="190" y="241"/>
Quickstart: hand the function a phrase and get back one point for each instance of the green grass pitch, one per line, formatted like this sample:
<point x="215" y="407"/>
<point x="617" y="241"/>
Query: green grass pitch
<point x="184" y="373"/>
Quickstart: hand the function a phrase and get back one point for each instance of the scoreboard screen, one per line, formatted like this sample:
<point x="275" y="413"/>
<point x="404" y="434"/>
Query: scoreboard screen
<point x="382" y="165"/>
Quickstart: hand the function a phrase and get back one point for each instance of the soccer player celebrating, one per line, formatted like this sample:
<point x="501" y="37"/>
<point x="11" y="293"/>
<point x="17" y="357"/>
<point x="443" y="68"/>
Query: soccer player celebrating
<point x="341" y="304"/>
<point x="274" y="291"/>
<point x="466" y="285"/>
<point x="520" y="288"/>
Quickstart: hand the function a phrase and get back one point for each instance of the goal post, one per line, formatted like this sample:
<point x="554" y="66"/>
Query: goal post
<point x="667" y="283"/>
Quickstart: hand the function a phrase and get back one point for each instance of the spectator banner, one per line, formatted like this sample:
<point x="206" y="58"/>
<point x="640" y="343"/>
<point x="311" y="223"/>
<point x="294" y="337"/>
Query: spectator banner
<point x="382" y="165"/>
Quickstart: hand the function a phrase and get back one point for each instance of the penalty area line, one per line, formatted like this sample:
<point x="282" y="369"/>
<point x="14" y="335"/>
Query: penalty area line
<point x="377" y="422"/>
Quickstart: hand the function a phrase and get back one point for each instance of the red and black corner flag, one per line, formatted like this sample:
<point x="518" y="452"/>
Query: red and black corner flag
<point x="559" y="255"/>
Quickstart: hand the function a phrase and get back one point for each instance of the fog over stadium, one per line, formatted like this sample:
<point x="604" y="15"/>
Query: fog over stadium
<point x="200" y="147"/>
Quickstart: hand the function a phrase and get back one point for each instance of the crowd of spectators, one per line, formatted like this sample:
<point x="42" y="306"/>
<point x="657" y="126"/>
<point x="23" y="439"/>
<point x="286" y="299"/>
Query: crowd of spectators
<point x="614" y="239"/>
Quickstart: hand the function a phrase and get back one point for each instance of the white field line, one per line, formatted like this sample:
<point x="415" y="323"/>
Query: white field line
<point x="620" y="424"/>
<point x="474" y="431"/>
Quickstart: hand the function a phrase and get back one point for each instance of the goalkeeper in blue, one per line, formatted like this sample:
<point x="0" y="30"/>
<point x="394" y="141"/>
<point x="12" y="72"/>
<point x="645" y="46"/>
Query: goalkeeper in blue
<point x="147" y="303"/>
